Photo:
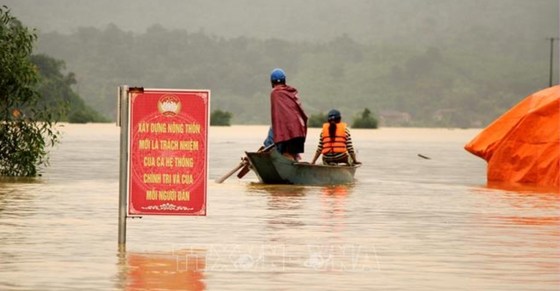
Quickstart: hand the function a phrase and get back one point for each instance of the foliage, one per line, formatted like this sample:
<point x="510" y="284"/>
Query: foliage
<point x="57" y="94"/>
<point x="316" y="120"/>
<point x="220" y="118"/>
<point x="365" y="120"/>
<point x="26" y="128"/>
<point x="85" y="115"/>
<point x="462" y="81"/>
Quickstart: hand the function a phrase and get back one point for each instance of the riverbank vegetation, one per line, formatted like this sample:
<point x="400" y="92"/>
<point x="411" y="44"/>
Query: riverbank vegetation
<point x="27" y="127"/>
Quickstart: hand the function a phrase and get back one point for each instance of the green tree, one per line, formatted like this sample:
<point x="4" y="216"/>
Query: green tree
<point x="317" y="120"/>
<point x="221" y="118"/>
<point x="56" y="92"/>
<point x="26" y="129"/>
<point x="365" y="121"/>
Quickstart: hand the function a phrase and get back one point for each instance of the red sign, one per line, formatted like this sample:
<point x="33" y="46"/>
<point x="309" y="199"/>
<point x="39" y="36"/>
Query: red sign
<point x="168" y="136"/>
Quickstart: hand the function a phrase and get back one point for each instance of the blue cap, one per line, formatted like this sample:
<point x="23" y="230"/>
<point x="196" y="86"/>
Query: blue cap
<point x="333" y="114"/>
<point x="278" y="76"/>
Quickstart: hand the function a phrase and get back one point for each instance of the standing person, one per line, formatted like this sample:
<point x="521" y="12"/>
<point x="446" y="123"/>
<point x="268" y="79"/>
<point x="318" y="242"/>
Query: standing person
<point x="289" y="121"/>
<point x="335" y="142"/>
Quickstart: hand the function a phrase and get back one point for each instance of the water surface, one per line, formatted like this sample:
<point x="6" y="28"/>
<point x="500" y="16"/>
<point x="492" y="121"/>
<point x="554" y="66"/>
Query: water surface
<point x="408" y="223"/>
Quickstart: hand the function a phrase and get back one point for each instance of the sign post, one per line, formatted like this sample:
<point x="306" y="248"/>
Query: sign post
<point x="122" y="121"/>
<point x="165" y="153"/>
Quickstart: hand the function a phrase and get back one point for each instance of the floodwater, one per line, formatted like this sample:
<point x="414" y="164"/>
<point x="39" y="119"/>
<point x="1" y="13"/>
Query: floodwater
<point x="408" y="223"/>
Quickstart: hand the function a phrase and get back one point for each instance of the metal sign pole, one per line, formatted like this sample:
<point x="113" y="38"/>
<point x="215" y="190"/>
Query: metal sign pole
<point x="122" y="121"/>
<point x="551" y="67"/>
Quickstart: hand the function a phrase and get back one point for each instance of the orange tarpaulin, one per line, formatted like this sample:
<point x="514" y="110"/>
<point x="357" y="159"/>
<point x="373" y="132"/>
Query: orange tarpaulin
<point x="523" y="145"/>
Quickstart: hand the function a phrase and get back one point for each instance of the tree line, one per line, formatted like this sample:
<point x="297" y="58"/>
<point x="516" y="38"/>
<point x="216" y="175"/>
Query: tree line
<point x="431" y="86"/>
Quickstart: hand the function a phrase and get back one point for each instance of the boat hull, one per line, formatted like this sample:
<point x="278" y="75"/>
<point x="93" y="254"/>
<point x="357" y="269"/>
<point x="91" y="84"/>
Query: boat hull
<point x="273" y="168"/>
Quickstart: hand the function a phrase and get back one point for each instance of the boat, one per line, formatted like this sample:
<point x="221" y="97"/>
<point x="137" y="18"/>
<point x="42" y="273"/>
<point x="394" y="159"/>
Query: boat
<point x="273" y="168"/>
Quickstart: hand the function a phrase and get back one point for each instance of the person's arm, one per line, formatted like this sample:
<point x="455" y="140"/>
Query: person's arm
<point x="350" y="147"/>
<point x="269" y="138"/>
<point x="317" y="154"/>
<point x="353" y="156"/>
<point x="319" y="149"/>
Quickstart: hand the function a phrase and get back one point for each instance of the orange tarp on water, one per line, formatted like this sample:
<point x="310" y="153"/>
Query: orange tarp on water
<point x="523" y="145"/>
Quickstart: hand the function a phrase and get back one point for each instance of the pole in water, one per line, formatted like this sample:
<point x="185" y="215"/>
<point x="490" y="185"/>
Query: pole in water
<point x="122" y="121"/>
<point x="551" y="70"/>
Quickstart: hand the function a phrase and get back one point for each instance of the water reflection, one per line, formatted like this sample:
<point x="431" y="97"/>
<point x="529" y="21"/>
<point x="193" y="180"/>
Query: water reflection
<point x="524" y="188"/>
<point x="176" y="270"/>
<point x="16" y="198"/>
<point x="283" y="213"/>
<point x="524" y="199"/>
<point x="333" y="199"/>
<point x="281" y="197"/>
<point x="544" y="205"/>
<point x="5" y="180"/>
<point x="519" y="230"/>
<point x="333" y="206"/>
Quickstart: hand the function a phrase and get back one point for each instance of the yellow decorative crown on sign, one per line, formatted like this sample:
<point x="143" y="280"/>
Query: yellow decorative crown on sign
<point x="169" y="105"/>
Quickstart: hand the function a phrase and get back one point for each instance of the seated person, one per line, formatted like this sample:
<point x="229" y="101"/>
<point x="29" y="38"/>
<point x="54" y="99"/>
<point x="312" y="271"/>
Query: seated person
<point x="335" y="142"/>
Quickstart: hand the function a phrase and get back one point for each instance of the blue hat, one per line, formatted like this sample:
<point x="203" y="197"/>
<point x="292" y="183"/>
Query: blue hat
<point x="278" y="76"/>
<point x="333" y="114"/>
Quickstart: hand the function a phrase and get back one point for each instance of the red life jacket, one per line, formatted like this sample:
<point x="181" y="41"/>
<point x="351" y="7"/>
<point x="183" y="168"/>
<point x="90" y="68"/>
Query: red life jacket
<point x="338" y="144"/>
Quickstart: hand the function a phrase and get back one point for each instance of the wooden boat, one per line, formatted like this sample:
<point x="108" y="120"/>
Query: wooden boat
<point x="273" y="168"/>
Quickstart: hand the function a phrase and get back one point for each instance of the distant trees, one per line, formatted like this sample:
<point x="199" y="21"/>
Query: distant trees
<point x="57" y="94"/>
<point x="220" y="118"/>
<point x="472" y="86"/>
<point x="316" y="120"/>
<point x="27" y="128"/>
<point x="366" y="120"/>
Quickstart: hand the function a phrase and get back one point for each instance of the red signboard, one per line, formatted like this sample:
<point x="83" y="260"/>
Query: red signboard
<point x="168" y="149"/>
